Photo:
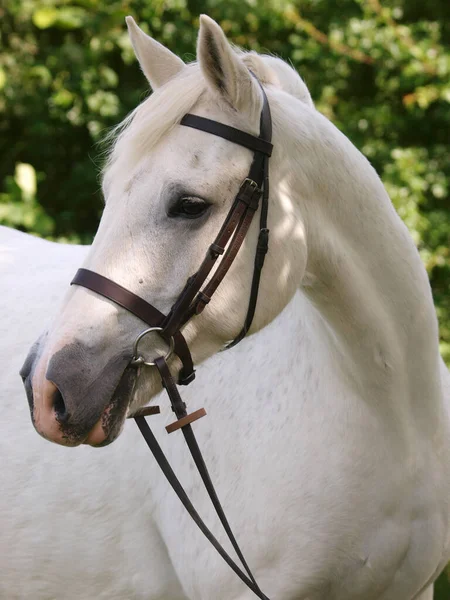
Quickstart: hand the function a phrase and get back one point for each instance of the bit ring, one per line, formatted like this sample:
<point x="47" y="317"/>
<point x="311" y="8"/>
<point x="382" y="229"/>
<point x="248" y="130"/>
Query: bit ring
<point x="138" y="360"/>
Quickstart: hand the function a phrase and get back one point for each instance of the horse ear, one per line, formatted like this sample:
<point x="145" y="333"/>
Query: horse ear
<point x="223" y="69"/>
<point x="157" y="62"/>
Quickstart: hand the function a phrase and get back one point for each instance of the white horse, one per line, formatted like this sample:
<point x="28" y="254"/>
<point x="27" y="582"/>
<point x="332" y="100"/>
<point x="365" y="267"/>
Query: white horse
<point x="328" y="427"/>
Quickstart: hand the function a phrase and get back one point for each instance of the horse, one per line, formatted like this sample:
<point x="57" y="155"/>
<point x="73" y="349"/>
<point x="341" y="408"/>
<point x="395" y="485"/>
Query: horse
<point x="327" y="433"/>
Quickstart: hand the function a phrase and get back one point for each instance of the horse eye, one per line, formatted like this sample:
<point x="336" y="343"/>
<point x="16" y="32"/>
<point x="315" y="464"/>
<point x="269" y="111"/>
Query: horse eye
<point x="189" y="207"/>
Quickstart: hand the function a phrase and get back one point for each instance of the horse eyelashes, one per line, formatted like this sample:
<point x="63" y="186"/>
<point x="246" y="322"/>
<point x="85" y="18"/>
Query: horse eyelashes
<point x="189" y="207"/>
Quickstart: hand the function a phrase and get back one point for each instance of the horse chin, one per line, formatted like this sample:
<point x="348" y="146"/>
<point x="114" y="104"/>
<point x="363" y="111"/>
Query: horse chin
<point x="111" y="422"/>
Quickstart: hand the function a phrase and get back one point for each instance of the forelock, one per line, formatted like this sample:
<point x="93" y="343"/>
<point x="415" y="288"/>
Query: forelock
<point x="152" y="120"/>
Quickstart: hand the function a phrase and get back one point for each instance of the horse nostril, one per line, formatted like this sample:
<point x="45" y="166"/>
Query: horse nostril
<point x="62" y="415"/>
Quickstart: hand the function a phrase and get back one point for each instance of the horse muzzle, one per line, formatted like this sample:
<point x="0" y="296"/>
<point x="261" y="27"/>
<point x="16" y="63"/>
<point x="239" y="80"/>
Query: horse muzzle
<point x="72" y="400"/>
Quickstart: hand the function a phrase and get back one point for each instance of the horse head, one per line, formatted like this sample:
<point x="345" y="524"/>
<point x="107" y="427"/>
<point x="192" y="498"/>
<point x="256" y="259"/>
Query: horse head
<point x="167" y="190"/>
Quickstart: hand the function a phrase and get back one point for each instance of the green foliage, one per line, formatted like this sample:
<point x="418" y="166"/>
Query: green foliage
<point x="380" y="72"/>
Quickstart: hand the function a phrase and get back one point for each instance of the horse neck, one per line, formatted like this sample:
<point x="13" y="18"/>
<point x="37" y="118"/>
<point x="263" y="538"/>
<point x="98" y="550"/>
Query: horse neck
<point x="363" y="273"/>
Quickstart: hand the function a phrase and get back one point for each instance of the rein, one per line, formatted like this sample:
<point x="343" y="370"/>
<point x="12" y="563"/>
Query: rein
<point x="191" y="302"/>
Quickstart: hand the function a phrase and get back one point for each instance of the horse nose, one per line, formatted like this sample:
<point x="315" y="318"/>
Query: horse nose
<point x="52" y="417"/>
<point x="59" y="406"/>
<point x="75" y="399"/>
<point x="54" y="421"/>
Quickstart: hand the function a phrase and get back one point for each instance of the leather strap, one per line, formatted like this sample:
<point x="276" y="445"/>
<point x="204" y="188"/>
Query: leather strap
<point x="257" y="144"/>
<point x="240" y="216"/>
<point x="140" y="308"/>
<point x="187" y="420"/>
<point x="120" y="295"/>
<point x="179" y="408"/>
<point x="227" y="260"/>
<point x="193" y="299"/>
<point x="260" y="256"/>
<point x="179" y="490"/>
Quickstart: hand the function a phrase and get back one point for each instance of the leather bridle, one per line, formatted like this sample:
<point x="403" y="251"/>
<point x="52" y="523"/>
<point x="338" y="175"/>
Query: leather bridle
<point x="197" y="293"/>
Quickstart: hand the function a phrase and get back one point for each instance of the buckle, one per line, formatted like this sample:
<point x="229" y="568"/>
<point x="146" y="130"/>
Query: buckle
<point x="249" y="193"/>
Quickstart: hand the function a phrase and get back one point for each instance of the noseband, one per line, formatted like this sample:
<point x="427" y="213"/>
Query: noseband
<point x="196" y="294"/>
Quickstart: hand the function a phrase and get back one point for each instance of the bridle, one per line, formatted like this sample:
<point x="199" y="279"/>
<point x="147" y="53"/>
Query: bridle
<point x="193" y="299"/>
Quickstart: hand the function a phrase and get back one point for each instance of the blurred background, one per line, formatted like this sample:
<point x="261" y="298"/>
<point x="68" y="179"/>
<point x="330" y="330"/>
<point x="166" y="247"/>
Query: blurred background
<point x="379" y="69"/>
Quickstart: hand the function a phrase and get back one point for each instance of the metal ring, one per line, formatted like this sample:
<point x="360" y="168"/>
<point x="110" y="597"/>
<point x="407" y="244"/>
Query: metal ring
<point x="137" y="360"/>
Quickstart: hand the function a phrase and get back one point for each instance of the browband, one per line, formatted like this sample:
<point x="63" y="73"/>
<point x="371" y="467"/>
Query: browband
<point x="228" y="133"/>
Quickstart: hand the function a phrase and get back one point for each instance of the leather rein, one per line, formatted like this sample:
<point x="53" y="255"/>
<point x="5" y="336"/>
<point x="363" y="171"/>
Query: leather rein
<point x="253" y="194"/>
